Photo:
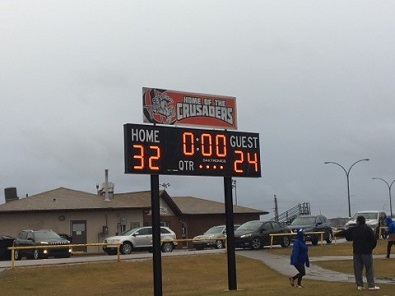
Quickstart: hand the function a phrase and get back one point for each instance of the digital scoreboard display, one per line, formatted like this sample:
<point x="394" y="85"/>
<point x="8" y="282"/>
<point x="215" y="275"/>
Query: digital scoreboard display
<point x="166" y="150"/>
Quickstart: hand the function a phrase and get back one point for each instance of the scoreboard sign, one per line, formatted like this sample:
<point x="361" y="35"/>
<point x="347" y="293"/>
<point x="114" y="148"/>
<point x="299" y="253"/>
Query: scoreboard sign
<point x="166" y="150"/>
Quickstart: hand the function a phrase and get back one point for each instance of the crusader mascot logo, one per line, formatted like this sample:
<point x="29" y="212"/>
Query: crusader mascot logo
<point x="159" y="107"/>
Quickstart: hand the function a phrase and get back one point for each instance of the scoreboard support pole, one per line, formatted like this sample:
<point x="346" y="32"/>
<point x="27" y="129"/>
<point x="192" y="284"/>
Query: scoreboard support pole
<point x="230" y="241"/>
<point x="157" y="260"/>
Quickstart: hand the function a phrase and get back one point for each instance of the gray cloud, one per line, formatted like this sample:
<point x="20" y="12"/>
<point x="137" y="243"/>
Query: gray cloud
<point x="315" y="79"/>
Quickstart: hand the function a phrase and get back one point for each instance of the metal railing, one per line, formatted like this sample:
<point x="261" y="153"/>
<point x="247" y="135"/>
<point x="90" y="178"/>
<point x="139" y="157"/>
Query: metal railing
<point x="272" y="235"/>
<point x="70" y="246"/>
<point x="288" y="216"/>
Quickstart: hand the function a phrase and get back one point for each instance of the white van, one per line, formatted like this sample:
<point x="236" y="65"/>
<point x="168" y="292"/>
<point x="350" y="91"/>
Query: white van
<point x="374" y="219"/>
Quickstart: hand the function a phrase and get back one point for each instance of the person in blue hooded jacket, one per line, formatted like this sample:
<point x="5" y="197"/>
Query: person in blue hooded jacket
<point x="391" y="236"/>
<point x="299" y="259"/>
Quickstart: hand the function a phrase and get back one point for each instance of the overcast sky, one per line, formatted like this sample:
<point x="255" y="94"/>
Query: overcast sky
<point x="314" y="78"/>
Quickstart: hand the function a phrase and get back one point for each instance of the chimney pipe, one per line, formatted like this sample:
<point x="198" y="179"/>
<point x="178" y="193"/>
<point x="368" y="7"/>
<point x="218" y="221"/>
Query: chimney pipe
<point x="10" y="194"/>
<point x="106" y="198"/>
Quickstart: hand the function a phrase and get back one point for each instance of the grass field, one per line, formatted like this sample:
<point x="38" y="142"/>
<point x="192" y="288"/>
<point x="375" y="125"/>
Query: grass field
<point x="197" y="275"/>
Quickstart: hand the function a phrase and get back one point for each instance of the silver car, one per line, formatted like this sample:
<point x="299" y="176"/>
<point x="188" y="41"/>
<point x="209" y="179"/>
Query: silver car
<point x="139" y="239"/>
<point x="214" y="237"/>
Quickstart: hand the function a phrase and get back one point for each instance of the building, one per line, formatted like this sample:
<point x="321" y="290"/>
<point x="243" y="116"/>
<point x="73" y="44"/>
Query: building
<point x="89" y="218"/>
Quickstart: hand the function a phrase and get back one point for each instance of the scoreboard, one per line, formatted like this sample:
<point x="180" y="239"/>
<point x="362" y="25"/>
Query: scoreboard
<point x="152" y="149"/>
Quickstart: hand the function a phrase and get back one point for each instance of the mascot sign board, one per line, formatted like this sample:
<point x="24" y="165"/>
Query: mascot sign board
<point x="161" y="106"/>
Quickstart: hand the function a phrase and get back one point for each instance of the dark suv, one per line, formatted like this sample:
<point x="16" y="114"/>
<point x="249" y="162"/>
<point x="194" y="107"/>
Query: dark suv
<point x="316" y="223"/>
<point x="31" y="238"/>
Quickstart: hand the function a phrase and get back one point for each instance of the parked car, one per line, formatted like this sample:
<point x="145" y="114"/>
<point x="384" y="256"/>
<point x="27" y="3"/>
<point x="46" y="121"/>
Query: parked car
<point x="309" y="223"/>
<point x="256" y="234"/>
<point x="5" y="242"/>
<point x="214" y="237"/>
<point x="139" y="239"/>
<point x="31" y="238"/>
<point x="66" y="236"/>
<point x="374" y="219"/>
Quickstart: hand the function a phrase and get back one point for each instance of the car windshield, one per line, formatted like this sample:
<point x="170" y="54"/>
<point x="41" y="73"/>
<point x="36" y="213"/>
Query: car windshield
<point x="44" y="235"/>
<point x="214" y="230"/>
<point x="303" y="221"/>
<point x="366" y="215"/>
<point x="250" y="226"/>
<point x="129" y="231"/>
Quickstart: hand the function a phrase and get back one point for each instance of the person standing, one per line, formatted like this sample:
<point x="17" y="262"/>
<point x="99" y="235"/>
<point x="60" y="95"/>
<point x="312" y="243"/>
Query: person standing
<point x="363" y="243"/>
<point x="391" y="236"/>
<point x="299" y="258"/>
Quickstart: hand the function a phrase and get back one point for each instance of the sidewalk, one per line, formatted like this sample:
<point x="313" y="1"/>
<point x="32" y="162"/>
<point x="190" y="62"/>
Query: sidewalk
<point x="282" y="265"/>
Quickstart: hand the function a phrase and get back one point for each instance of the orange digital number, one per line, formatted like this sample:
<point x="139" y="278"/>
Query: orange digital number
<point x="139" y="157"/>
<point x="220" y="145"/>
<point x="253" y="161"/>
<point x="153" y="158"/>
<point x="239" y="161"/>
<point x="188" y="144"/>
<point x="207" y="142"/>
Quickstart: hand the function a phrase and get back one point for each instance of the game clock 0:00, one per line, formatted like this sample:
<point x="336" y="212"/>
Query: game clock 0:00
<point x="157" y="150"/>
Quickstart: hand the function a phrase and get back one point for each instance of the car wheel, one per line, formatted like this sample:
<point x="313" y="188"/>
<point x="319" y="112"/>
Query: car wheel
<point x="219" y="244"/>
<point x="126" y="248"/>
<point x="286" y="241"/>
<point x="329" y="238"/>
<point x="36" y="254"/>
<point x="17" y="255"/>
<point x="256" y="243"/>
<point x="314" y="240"/>
<point x="167" y="247"/>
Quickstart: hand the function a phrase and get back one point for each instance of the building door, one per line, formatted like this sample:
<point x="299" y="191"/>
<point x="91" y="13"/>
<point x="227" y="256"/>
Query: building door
<point x="78" y="233"/>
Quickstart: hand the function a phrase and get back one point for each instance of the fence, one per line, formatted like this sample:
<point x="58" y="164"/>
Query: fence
<point x="272" y="235"/>
<point x="61" y="246"/>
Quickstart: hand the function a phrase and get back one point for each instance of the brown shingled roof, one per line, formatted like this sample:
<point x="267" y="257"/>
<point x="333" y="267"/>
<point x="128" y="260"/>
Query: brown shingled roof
<point x="193" y="205"/>
<point x="68" y="199"/>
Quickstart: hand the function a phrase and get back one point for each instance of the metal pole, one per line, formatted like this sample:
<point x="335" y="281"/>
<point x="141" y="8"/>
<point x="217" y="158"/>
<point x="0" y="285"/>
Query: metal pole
<point x="348" y="194"/>
<point x="230" y="236"/>
<point x="157" y="260"/>
<point x="390" y="197"/>
<point x="389" y="191"/>
<point x="348" y="179"/>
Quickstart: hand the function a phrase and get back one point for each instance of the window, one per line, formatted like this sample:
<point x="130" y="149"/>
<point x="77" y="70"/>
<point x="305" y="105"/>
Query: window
<point x="267" y="226"/>
<point x="275" y="225"/>
<point x="144" y="231"/>
<point x="164" y="231"/>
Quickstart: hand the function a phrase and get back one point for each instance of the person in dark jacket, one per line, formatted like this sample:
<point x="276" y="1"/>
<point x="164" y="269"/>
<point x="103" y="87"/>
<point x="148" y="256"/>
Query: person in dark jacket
<point x="299" y="258"/>
<point x="391" y="235"/>
<point x="363" y="243"/>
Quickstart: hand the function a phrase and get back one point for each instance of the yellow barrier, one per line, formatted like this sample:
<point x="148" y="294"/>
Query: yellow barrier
<point x="272" y="235"/>
<point x="62" y="246"/>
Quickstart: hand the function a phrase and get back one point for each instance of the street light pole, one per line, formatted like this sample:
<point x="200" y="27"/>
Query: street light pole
<point x="389" y="190"/>
<point x="348" y="179"/>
